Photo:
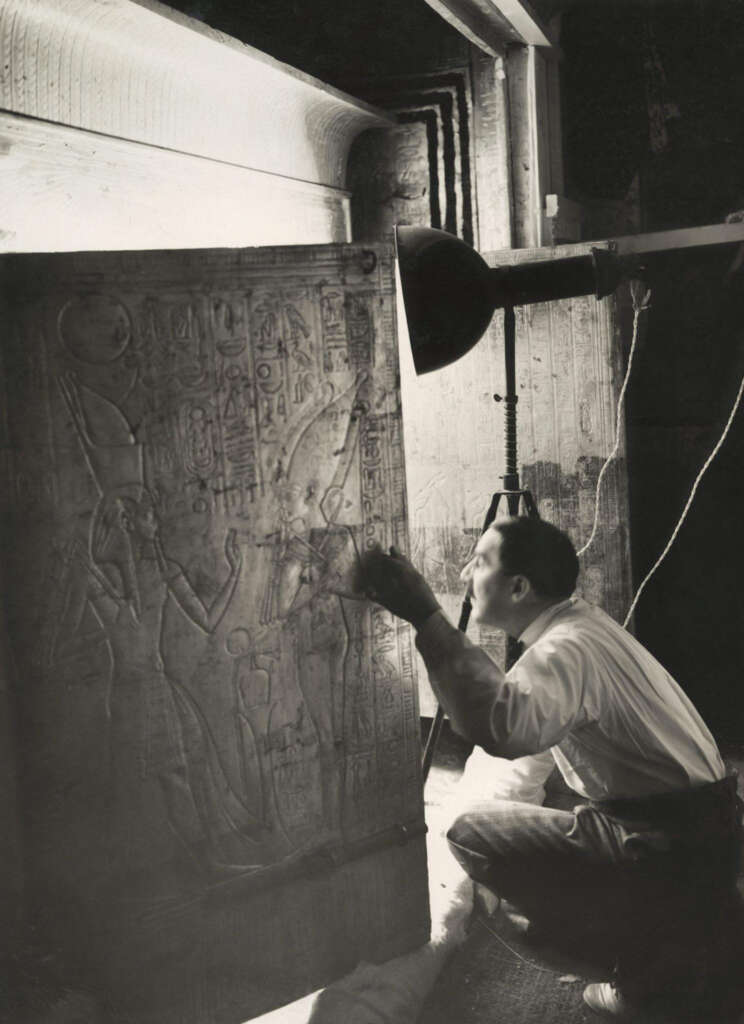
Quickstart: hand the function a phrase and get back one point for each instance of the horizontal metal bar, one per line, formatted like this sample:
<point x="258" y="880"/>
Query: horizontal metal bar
<point x="680" y="238"/>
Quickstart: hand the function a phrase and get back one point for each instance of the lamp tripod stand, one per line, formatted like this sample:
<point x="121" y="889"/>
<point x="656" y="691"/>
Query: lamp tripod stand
<point x="512" y="493"/>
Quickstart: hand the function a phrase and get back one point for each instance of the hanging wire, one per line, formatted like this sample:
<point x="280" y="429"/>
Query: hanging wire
<point x="516" y="953"/>
<point x="639" y="305"/>
<point x="693" y="492"/>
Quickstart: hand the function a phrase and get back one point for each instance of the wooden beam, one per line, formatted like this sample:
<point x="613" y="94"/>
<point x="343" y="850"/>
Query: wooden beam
<point x="129" y="71"/>
<point x="493" y="24"/>
<point x="525" y="20"/>
<point x="681" y="238"/>
<point x="536" y="143"/>
<point x="491" y="152"/>
<point x="478" y="23"/>
<point x="64" y="189"/>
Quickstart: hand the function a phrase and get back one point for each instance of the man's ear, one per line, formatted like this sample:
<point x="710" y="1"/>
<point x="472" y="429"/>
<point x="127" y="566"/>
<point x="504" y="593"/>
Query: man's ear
<point x="521" y="587"/>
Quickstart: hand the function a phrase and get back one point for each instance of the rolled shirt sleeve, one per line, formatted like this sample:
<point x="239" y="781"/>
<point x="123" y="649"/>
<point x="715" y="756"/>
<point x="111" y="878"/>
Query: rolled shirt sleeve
<point x="524" y="711"/>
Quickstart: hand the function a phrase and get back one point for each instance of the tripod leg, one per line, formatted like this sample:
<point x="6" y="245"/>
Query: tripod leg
<point x="492" y="510"/>
<point x="529" y="504"/>
<point x="432" y="740"/>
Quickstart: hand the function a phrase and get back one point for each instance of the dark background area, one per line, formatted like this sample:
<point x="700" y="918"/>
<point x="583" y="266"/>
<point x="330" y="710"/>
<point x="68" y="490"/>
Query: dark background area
<point x="653" y="94"/>
<point x="339" y="41"/>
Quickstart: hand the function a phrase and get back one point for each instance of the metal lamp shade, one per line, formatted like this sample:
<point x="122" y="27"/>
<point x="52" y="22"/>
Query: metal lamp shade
<point x="450" y="293"/>
<point x="447" y="293"/>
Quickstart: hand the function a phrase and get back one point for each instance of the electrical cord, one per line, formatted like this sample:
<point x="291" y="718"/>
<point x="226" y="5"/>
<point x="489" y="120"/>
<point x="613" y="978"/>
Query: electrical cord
<point x="639" y="305"/>
<point x="516" y="953"/>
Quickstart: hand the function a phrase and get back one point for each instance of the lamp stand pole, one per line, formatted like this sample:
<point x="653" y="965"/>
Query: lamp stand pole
<point x="512" y="493"/>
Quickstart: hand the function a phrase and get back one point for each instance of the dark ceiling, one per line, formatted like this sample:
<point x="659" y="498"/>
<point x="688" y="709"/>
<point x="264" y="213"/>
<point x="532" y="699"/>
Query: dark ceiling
<point x="338" y="41"/>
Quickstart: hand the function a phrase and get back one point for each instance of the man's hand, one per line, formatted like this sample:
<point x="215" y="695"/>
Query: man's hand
<point x="393" y="582"/>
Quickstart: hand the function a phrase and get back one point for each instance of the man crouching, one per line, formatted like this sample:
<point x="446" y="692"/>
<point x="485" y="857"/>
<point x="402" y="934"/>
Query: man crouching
<point x="647" y="863"/>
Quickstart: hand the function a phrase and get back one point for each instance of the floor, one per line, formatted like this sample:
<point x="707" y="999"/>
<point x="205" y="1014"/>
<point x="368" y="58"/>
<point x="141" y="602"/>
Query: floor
<point x="497" y="976"/>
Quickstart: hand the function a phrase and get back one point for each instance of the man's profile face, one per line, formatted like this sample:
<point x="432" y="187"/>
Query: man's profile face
<point x="489" y="586"/>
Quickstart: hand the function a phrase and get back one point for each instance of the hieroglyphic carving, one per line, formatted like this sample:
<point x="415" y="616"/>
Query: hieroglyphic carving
<point x="221" y="442"/>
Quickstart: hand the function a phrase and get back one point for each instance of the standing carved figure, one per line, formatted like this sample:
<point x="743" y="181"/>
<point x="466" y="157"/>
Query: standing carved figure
<point x="309" y="591"/>
<point x="169" y="793"/>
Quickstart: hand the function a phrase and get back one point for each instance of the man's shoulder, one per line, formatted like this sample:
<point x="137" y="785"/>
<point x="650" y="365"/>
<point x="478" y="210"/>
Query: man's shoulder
<point x="588" y="627"/>
<point x="580" y="612"/>
<point x="578" y="621"/>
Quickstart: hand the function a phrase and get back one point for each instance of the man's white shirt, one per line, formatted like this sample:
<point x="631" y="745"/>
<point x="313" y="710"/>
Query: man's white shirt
<point x="615" y="721"/>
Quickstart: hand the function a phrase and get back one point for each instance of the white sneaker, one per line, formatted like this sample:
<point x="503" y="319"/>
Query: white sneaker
<point x="604" y="998"/>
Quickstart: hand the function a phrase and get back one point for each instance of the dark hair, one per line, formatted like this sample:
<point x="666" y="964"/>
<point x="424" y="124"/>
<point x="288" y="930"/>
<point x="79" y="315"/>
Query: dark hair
<point x="540" y="551"/>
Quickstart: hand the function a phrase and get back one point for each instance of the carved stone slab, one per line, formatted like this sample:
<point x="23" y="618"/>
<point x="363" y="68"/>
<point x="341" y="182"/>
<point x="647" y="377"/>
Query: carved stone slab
<point x="220" y="739"/>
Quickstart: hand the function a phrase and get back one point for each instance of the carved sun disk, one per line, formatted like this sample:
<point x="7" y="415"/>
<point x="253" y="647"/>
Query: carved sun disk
<point x="95" y="328"/>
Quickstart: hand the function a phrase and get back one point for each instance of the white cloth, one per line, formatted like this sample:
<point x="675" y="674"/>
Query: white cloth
<point x="617" y="723"/>
<point x="497" y="778"/>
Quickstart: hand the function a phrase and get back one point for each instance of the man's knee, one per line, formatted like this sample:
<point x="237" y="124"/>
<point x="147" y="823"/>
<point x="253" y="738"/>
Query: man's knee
<point x="491" y="828"/>
<point x="474" y="832"/>
<point x="471" y="848"/>
<point x="459" y="829"/>
<point x="465" y="847"/>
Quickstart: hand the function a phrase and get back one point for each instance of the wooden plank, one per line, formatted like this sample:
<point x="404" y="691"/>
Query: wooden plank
<point x="681" y="238"/>
<point x="479" y="22"/>
<point x="221" y="737"/>
<point x="526" y="21"/>
<point x="71" y="190"/>
<point x="534" y="120"/>
<point x="526" y="215"/>
<point x="491" y="24"/>
<point x="529" y="139"/>
<point x="491" y="152"/>
<point x="541" y="107"/>
<point x="136" y="72"/>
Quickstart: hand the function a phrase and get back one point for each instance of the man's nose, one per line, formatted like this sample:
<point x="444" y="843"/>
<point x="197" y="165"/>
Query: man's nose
<point x="467" y="572"/>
